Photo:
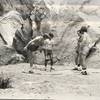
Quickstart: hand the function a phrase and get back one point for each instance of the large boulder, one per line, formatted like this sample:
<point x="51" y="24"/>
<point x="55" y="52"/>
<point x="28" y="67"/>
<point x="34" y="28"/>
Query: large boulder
<point x="8" y="55"/>
<point x="9" y="23"/>
<point x="10" y="30"/>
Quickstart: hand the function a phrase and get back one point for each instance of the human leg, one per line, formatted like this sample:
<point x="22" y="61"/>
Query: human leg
<point x="46" y="61"/>
<point x="31" y="61"/>
<point x="51" y="60"/>
<point x="83" y="64"/>
<point x="77" y="62"/>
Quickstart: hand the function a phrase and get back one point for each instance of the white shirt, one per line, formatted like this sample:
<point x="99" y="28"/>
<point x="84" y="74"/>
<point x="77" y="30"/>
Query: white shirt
<point x="86" y="40"/>
<point x="48" y="44"/>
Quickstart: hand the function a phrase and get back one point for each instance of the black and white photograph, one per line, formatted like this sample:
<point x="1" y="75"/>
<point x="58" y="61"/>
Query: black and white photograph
<point x="50" y="49"/>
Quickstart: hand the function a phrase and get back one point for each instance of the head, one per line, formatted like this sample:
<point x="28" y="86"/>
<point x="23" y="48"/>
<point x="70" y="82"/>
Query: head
<point x="82" y="31"/>
<point x="51" y="35"/>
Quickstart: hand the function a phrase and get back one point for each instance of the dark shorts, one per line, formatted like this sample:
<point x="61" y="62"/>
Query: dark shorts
<point x="33" y="48"/>
<point x="47" y="52"/>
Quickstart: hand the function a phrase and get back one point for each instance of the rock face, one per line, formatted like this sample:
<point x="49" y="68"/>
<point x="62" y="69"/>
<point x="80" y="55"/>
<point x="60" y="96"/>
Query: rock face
<point x="22" y="36"/>
<point x="9" y="23"/>
<point x="65" y="18"/>
<point x="9" y="56"/>
<point x="12" y="21"/>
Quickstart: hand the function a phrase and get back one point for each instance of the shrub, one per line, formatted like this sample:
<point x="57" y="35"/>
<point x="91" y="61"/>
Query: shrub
<point x="4" y="81"/>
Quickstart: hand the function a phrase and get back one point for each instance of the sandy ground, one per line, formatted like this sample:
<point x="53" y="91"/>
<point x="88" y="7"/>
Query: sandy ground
<point x="61" y="84"/>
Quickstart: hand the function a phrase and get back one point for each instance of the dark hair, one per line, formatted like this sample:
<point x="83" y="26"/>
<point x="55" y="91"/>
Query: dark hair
<point x="83" y="29"/>
<point x="51" y="35"/>
<point x="45" y="35"/>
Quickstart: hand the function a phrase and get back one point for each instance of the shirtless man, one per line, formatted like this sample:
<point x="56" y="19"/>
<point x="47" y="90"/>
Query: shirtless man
<point x="32" y="47"/>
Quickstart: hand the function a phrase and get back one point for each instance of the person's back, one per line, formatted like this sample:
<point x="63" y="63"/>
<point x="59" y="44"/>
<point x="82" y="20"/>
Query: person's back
<point x="38" y="41"/>
<point x="34" y="43"/>
<point x="86" y="40"/>
<point x="85" y="43"/>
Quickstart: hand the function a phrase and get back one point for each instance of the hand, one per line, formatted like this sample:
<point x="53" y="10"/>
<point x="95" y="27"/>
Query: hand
<point x="25" y="48"/>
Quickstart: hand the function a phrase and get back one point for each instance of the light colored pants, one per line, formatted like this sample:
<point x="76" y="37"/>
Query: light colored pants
<point x="32" y="57"/>
<point x="80" y="59"/>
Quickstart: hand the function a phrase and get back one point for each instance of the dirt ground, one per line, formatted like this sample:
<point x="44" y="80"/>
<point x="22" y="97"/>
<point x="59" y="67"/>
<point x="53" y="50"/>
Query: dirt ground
<point x="61" y="84"/>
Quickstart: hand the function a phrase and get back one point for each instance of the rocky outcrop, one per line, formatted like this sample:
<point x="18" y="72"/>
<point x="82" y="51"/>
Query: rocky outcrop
<point x="9" y="23"/>
<point x="9" y="56"/>
<point x="15" y="35"/>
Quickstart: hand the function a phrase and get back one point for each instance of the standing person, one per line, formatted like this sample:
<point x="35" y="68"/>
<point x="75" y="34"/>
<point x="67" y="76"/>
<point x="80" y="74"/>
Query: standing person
<point x="48" y="51"/>
<point x="83" y="47"/>
<point x="32" y="47"/>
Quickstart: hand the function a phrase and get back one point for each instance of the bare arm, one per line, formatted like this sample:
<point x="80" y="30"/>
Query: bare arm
<point x="37" y="38"/>
<point x="28" y="44"/>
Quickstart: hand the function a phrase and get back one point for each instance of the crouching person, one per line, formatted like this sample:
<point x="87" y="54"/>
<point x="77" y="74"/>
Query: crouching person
<point x="32" y="48"/>
<point x="48" y="51"/>
<point x="83" y="46"/>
